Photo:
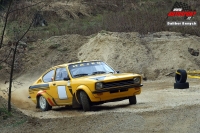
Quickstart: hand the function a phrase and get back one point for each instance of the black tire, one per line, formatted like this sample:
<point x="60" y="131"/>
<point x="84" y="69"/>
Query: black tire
<point x="181" y="85"/>
<point x="182" y="77"/>
<point x="85" y="102"/>
<point x="132" y="100"/>
<point x="43" y="104"/>
<point x="50" y="107"/>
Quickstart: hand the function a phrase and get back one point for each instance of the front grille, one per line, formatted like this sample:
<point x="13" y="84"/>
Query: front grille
<point x="117" y="83"/>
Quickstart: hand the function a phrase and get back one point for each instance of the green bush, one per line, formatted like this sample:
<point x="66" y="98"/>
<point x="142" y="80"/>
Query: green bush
<point x="4" y="114"/>
<point x="31" y="47"/>
<point x="54" y="46"/>
<point x="63" y="49"/>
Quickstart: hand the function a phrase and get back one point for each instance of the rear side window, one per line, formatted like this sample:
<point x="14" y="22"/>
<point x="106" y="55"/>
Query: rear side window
<point x="48" y="76"/>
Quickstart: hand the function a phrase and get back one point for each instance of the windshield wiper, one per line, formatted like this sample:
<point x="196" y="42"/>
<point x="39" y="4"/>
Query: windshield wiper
<point x="81" y="74"/>
<point x="110" y="72"/>
<point x="98" y="72"/>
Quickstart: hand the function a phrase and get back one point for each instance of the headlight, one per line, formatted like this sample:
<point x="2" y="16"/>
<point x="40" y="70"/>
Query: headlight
<point x="136" y="80"/>
<point x="99" y="85"/>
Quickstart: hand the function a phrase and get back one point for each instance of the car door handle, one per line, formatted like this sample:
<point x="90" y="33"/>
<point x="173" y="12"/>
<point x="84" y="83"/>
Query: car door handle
<point x="54" y="83"/>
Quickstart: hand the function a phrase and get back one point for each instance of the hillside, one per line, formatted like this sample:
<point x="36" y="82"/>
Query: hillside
<point x="154" y="55"/>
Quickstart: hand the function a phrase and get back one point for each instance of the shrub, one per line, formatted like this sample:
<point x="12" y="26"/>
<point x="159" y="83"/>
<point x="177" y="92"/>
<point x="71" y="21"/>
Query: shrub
<point x="54" y="46"/>
<point x="63" y="49"/>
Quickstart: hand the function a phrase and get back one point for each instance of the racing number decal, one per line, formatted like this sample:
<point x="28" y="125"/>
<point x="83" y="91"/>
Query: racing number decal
<point x="62" y="94"/>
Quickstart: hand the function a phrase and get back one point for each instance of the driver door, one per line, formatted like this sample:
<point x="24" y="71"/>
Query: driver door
<point x="63" y="96"/>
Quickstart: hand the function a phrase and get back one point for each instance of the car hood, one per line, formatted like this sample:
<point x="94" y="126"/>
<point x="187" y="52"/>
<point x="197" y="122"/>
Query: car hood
<point x="110" y="77"/>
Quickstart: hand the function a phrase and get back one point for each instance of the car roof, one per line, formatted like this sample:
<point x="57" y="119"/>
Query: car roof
<point x="67" y="64"/>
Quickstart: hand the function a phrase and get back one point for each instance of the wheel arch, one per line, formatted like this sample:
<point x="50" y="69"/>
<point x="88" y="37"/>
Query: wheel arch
<point x="78" y="95"/>
<point x="86" y="90"/>
<point x="46" y="96"/>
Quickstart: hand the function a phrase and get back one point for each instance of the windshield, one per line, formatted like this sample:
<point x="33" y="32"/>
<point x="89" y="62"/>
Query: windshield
<point x="89" y="68"/>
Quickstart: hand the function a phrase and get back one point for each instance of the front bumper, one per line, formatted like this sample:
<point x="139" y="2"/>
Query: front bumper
<point x="115" y="89"/>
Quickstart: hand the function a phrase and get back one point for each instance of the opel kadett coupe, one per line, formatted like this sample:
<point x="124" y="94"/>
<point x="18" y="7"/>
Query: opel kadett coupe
<point x="83" y="84"/>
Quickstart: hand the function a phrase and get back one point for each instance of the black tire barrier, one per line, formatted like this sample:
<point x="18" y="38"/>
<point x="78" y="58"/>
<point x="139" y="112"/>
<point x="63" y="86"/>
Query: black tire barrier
<point x="182" y="77"/>
<point x="181" y="85"/>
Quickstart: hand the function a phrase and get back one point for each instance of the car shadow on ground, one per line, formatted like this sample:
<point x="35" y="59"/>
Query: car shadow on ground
<point x="93" y="108"/>
<point x="107" y="107"/>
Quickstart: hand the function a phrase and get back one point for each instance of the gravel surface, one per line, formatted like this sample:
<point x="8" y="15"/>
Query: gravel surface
<point x="160" y="109"/>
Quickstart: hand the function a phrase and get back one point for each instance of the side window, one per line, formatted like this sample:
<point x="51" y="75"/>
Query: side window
<point x="61" y="73"/>
<point x="48" y="76"/>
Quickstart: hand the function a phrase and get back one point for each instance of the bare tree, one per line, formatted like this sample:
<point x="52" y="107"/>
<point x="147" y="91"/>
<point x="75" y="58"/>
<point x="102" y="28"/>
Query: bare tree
<point x="14" y="47"/>
<point x="5" y="23"/>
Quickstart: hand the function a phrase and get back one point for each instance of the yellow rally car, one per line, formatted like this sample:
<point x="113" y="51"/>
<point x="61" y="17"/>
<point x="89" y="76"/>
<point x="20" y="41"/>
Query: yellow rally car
<point x="83" y="84"/>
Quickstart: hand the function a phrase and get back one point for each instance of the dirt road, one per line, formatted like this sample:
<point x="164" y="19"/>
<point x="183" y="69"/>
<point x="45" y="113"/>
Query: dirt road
<point x="160" y="109"/>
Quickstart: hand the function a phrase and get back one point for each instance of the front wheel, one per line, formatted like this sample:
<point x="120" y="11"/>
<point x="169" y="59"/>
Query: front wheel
<point x="85" y="102"/>
<point x="132" y="100"/>
<point x="43" y="104"/>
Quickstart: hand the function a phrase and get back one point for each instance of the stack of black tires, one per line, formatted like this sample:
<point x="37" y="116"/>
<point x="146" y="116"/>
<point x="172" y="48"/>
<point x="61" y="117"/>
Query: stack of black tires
<point x="180" y="78"/>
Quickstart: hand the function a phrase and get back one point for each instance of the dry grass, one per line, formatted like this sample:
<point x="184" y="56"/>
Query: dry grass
<point x="92" y="16"/>
<point x="126" y="16"/>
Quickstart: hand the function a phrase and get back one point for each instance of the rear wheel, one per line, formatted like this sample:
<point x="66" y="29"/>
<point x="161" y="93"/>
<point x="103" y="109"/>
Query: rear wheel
<point x="43" y="104"/>
<point x="85" y="102"/>
<point x="132" y="100"/>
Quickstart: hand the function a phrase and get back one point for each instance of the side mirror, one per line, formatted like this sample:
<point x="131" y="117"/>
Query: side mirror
<point x="117" y="71"/>
<point x="67" y="78"/>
